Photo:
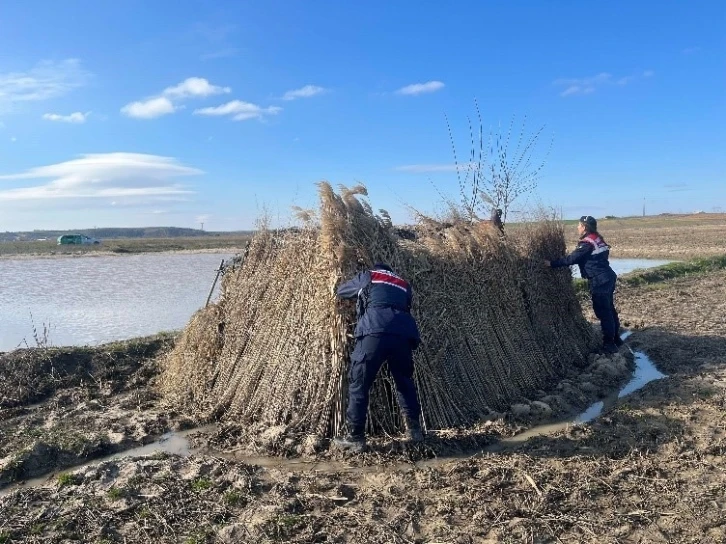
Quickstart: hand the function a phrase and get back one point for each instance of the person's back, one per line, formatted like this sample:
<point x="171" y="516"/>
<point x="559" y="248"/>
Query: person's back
<point x="386" y="332"/>
<point x="385" y="306"/>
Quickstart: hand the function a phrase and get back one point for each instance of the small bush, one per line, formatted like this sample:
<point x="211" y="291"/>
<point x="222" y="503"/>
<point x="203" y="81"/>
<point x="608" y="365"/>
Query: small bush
<point x="66" y="479"/>
<point x="201" y="484"/>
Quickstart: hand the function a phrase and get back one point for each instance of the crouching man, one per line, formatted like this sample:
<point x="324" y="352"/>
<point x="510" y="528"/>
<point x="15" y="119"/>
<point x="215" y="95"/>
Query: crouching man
<point x="385" y="332"/>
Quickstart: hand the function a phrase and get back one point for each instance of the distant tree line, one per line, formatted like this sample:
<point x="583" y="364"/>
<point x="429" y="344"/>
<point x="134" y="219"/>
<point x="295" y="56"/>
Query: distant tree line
<point x="116" y="233"/>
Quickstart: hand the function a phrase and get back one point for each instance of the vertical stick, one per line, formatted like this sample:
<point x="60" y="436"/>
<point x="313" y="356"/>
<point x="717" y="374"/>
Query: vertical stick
<point x="221" y="266"/>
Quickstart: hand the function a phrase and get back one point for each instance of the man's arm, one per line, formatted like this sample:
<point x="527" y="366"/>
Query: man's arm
<point x="351" y="288"/>
<point x="581" y="252"/>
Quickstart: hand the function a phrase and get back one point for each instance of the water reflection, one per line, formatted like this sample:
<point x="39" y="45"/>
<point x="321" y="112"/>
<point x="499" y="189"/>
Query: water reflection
<point x="91" y="300"/>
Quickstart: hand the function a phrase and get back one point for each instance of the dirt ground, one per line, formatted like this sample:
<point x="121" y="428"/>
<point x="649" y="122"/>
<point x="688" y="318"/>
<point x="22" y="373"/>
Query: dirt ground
<point x="61" y="406"/>
<point x="649" y="470"/>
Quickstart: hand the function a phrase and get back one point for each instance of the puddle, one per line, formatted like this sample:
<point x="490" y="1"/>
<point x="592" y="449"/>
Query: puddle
<point x="645" y="372"/>
<point x="173" y="442"/>
<point x="177" y="442"/>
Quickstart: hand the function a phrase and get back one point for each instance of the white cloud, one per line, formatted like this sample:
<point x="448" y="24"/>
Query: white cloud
<point x="588" y="85"/>
<point x="195" y="87"/>
<point x="214" y="33"/>
<point x="239" y="110"/>
<point x="304" y="92"/>
<point x="221" y="54"/>
<point x="149" y="109"/>
<point x="423" y="168"/>
<point x="584" y="85"/>
<point x="420" y="88"/>
<point x="104" y="175"/>
<point x="46" y="80"/>
<point x="167" y="101"/>
<point x="76" y="117"/>
<point x="202" y="218"/>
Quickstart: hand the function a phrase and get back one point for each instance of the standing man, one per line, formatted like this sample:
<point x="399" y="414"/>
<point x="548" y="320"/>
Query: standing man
<point x="497" y="220"/>
<point x="386" y="332"/>
<point x="591" y="255"/>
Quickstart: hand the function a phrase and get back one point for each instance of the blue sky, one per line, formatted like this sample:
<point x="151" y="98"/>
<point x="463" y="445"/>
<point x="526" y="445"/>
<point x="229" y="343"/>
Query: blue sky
<point x="168" y="113"/>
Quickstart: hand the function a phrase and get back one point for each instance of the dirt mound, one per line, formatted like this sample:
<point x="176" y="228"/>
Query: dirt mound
<point x="32" y="375"/>
<point x="62" y="407"/>
<point x="496" y="325"/>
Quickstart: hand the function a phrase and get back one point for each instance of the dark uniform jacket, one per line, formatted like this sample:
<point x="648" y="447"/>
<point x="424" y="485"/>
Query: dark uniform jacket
<point x="591" y="255"/>
<point x="383" y="305"/>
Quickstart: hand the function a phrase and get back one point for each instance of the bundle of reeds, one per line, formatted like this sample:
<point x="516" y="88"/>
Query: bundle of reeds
<point x="496" y="325"/>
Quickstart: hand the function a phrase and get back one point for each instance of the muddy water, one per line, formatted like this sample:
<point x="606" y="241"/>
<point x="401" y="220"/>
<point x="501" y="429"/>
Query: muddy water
<point x="92" y="300"/>
<point x="178" y="442"/>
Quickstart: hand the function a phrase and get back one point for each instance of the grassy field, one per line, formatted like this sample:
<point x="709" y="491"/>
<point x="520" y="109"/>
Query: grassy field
<point x="125" y="245"/>
<point x="676" y="237"/>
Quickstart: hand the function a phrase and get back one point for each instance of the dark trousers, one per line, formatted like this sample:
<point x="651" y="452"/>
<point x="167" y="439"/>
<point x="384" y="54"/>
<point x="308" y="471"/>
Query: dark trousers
<point x="603" y="303"/>
<point x="369" y="355"/>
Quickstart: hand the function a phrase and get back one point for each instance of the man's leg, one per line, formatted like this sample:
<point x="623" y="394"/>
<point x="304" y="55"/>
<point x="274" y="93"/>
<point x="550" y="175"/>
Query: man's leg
<point x="400" y="363"/>
<point x="602" y="304"/>
<point x="365" y="362"/>
<point x="616" y="318"/>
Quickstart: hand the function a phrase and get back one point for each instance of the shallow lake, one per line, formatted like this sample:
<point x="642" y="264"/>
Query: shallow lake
<point x="92" y="300"/>
<point x="623" y="266"/>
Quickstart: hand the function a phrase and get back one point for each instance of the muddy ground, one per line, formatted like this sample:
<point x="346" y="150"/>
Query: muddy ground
<point x="61" y="406"/>
<point x="650" y="470"/>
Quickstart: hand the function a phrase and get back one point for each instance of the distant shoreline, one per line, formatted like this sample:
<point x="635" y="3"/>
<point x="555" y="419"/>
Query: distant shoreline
<point x="101" y="253"/>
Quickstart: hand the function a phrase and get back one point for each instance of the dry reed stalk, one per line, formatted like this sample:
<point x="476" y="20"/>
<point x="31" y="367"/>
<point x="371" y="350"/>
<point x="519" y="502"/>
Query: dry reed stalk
<point x="496" y="325"/>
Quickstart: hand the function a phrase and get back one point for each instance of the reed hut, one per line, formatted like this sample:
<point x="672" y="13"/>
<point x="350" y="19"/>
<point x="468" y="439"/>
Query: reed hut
<point x="273" y="351"/>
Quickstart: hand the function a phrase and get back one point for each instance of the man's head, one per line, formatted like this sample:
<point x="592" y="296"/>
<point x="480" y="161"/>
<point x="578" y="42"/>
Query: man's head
<point x="587" y="225"/>
<point x="382" y="266"/>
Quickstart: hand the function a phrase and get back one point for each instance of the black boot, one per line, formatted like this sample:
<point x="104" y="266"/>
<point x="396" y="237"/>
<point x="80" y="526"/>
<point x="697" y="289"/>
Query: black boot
<point x="609" y="347"/>
<point x="414" y="434"/>
<point x="352" y="442"/>
<point x="618" y="341"/>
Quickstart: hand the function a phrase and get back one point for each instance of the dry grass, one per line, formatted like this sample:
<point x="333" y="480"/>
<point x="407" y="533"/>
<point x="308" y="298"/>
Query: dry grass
<point x="272" y="354"/>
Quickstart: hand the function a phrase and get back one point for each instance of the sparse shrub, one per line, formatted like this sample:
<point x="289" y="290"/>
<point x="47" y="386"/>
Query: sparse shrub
<point x="66" y="479"/>
<point x="115" y="493"/>
<point x="201" y="484"/>
<point x="234" y="498"/>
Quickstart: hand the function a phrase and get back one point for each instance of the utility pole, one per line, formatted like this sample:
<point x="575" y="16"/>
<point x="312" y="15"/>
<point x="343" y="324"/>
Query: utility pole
<point x="643" y="206"/>
<point x="202" y="223"/>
